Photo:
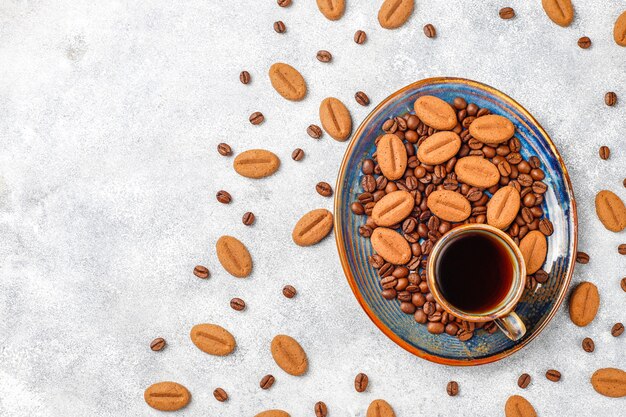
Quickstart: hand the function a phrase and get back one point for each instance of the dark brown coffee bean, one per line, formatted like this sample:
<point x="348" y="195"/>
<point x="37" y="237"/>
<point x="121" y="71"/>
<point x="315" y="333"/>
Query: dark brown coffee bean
<point x="289" y="291"/>
<point x="582" y="258"/>
<point x="541" y="276"/>
<point x="220" y="395"/>
<point x="588" y="345"/>
<point x="223" y="197"/>
<point x="465" y="335"/>
<point x="244" y="77"/>
<point x="224" y="149"/>
<point x="507" y="13"/>
<point x="201" y="271"/>
<point x="584" y="42"/>
<point x="617" y="329"/>
<point x="279" y="27"/>
<point x="622" y="283"/>
<point x="368" y="183"/>
<point x="320" y="409"/>
<point x="430" y="31"/>
<point x="610" y="98"/>
<point x="357" y="208"/>
<point x="257" y="118"/>
<point x="621" y="249"/>
<point x="360" y="37"/>
<point x="553" y="375"/>
<point x="368" y="167"/>
<point x="390" y="126"/>
<point x="284" y="3"/>
<point x="248" y="218"/>
<point x="157" y="344"/>
<point x="376" y="261"/>
<point x="267" y="381"/>
<point x="360" y="382"/>
<point x="237" y="304"/>
<point x="604" y="152"/>
<point x="362" y="98"/>
<point x="297" y="154"/>
<point x="523" y="381"/>
<point x="324" y="189"/>
<point x="546" y="227"/>
<point x="314" y="131"/>
<point x="452" y="388"/>
<point x="324" y="56"/>
<point x="365" y="231"/>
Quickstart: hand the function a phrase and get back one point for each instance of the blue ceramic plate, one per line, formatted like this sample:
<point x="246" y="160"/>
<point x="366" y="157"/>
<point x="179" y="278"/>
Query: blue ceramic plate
<point x="536" y="307"/>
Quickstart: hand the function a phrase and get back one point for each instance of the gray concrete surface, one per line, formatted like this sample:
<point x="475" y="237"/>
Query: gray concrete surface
<point x="110" y="113"/>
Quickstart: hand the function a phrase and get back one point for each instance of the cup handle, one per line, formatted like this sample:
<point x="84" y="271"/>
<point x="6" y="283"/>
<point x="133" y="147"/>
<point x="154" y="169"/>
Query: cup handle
<point x="512" y="326"/>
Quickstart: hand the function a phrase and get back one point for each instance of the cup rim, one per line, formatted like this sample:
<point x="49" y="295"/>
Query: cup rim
<point x="513" y="299"/>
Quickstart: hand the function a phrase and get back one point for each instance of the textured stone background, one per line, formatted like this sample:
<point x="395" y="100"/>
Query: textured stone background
<point x="110" y="112"/>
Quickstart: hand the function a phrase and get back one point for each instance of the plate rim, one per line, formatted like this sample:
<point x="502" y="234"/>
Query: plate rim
<point x="340" y="241"/>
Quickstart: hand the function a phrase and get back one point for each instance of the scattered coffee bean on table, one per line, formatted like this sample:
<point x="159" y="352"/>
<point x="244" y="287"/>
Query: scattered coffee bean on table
<point x="237" y="304"/>
<point x="324" y="189"/>
<point x="256" y="118"/>
<point x="324" y="56"/>
<point x="267" y="381"/>
<point x="360" y="37"/>
<point x="201" y="271"/>
<point x="289" y="291"/>
<point x="507" y="13"/>
<point x="523" y="381"/>
<point x="582" y="258"/>
<point x="157" y="344"/>
<point x="621" y="249"/>
<point x="362" y="98"/>
<point x="430" y="31"/>
<point x="320" y="409"/>
<point x="314" y="131"/>
<point x="622" y="283"/>
<point x="610" y="98"/>
<point x="244" y="77"/>
<point x="297" y="154"/>
<point x="617" y="329"/>
<point x="224" y="149"/>
<point x="452" y="388"/>
<point x="220" y="395"/>
<point x="223" y="197"/>
<point x="360" y="382"/>
<point x="248" y="218"/>
<point x="284" y="3"/>
<point x="604" y="152"/>
<point x="553" y="375"/>
<point x="584" y="42"/>
<point x="588" y="345"/>
<point x="279" y="27"/>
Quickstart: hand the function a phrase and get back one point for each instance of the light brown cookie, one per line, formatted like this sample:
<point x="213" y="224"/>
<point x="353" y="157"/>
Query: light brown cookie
<point x="449" y="205"/>
<point x="332" y="9"/>
<point x="584" y="303"/>
<point x="234" y="256"/>
<point x="477" y="171"/>
<point x="312" y="227"/>
<point x="534" y="248"/>
<point x="335" y="118"/>
<point x="611" y="211"/>
<point x="256" y="163"/>
<point x="610" y="382"/>
<point x="619" y="30"/>
<point x="167" y="396"/>
<point x="439" y="148"/>
<point x="391" y="246"/>
<point x="393" y="208"/>
<point x="435" y="113"/>
<point x="518" y="406"/>
<point x="560" y="12"/>
<point x="212" y="339"/>
<point x="503" y="207"/>
<point x="380" y="408"/>
<point x="391" y="155"/>
<point x="492" y="129"/>
<point x="289" y="355"/>
<point x="394" y="13"/>
<point x="287" y="81"/>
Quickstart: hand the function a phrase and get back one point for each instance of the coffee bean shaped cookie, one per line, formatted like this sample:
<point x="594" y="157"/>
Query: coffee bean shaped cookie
<point x="435" y="113"/>
<point x="492" y="129"/>
<point x="610" y="382"/>
<point x="449" y="205"/>
<point x="167" y="396"/>
<point x="212" y="339"/>
<point x="394" y="13"/>
<point x="393" y="208"/>
<point x="256" y="163"/>
<point x="439" y="148"/>
<point x="560" y="12"/>
<point x="335" y="118"/>
<point x="289" y="355"/>
<point x="312" y="227"/>
<point x="584" y="303"/>
<point x="477" y="171"/>
<point x="503" y="207"/>
<point x="619" y="30"/>
<point x="234" y="256"/>
<point x="391" y="246"/>
<point x="392" y="157"/>
<point x="518" y="406"/>
<point x="611" y="211"/>
<point x="332" y="9"/>
<point x="287" y="81"/>
<point x="534" y="248"/>
<point x="380" y="408"/>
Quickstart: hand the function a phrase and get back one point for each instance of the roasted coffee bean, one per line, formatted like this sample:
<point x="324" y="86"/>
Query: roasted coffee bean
<point x="406" y="307"/>
<point x="157" y="344"/>
<point x="224" y="149"/>
<point x="223" y="197"/>
<point x="621" y="249"/>
<point x="360" y="382"/>
<point x="201" y="271"/>
<point x="617" y="329"/>
<point x="507" y="13"/>
<point x="267" y="381"/>
<point x="584" y="42"/>
<point x="237" y="304"/>
<point x="314" y="131"/>
<point x="320" y="409"/>
<point x="459" y="103"/>
<point x="324" y="189"/>
<point x="582" y="258"/>
<point x="430" y="31"/>
<point x="389" y="294"/>
<point x="297" y="154"/>
<point x="279" y="27"/>
<point x="465" y="335"/>
<point x="368" y="167"/>
<point x="588" y="345"/>
<point x="244" y="77"/>
<point x="435" y="327"/>
<point x="368" y="183"/>
<point x="546" y="227"/>
<point x="220" y="395"/>
<point x="360" y="37"/>
<point x="553" y="375"/>
<point x="523" y="381"/>
<point x="390" y="126"/>
<point x="385" y="270"/>
<point x="604" y="152"/>
<point x="256" y="118"/>
<point x="324" y="56"/>
<point x="452" y="388"/>
<point x="248" y="218"/>
<point x="289" y="291"/>
<point x="362" y="98"/>
<point x="357" y="208"/>
<point x="284" y="3"/>
<point x="541" y="276"/>
<point x="622" y="283"/>
<point x="610" y="98"/>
